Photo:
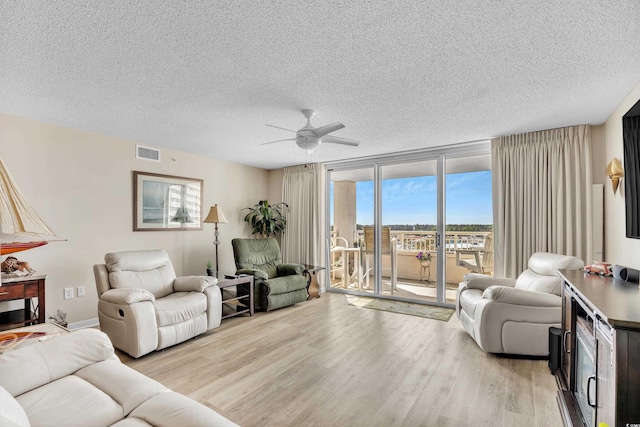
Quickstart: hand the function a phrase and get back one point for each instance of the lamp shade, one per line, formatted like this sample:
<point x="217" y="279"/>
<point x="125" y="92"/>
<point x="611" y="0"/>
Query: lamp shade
<point x="215" y="215"/>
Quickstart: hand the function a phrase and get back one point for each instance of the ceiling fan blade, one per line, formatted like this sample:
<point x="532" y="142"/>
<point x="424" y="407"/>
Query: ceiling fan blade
<point x="278" y="127"/>
<point x="280" y="140"/>
<point x="323" y="130"/>
<point x="337" y="140"/>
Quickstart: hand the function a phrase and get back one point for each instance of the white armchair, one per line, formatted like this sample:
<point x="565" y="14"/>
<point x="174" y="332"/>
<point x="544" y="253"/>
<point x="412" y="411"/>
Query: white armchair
<point x="513" y="316"/>
<point x="144" y="307"/>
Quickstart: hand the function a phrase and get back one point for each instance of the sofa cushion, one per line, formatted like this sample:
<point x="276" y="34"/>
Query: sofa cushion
<point x="179" y="307"/>
<point x="282" y="285"/>
<point x="70" y="401"/>
<point x="173" y="409"/>
<point x="11" y="413"/>
<point x="129" y="388"/>
<point x="52" y="359"/>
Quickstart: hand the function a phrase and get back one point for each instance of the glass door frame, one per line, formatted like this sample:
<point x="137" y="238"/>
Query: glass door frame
<point x="440" y="155"/>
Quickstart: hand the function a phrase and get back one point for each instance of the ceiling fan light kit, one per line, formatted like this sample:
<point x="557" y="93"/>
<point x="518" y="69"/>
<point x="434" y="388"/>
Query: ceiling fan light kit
<point x="309" y="138"/>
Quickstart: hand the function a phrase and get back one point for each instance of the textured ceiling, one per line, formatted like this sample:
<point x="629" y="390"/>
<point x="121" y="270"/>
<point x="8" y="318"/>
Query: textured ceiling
<point x="206" y="76"/>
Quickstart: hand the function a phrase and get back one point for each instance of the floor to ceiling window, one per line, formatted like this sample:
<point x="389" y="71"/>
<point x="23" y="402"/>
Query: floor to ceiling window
<point x="409" y="227"/>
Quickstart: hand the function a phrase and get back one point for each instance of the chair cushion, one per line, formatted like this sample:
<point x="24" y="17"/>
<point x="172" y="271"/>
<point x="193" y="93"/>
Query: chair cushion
<point x="532" y="281"/>
<point x="260" y="254"/>
<point x="548" y="264"/>
<point x="282" y="285"/>
<point x="542" y="274"/>
<point x="159" y="281"/>
<point x="179" y="307"/>
<point x="469" y="300"/>
<point x="150" y="270"/>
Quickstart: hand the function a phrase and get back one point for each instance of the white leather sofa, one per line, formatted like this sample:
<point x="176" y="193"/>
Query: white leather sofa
<point x="513" y="316"/>
<point x="144" y="307"/>
<point x="77" y="380"/>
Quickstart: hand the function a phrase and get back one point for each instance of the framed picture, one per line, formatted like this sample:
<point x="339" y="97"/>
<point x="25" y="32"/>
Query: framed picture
<point x="165" y="202"/>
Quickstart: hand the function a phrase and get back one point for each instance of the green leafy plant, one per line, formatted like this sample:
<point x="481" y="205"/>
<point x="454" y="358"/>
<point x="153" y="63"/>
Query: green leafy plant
<point x="266" y="219"/>
<point x="209" y="264"/>
<point x="424" y="256"/>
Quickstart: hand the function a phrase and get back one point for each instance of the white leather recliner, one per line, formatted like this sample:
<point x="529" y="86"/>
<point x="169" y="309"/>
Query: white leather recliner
<point x="144" y="307"/>
<point x="513" y="316"/>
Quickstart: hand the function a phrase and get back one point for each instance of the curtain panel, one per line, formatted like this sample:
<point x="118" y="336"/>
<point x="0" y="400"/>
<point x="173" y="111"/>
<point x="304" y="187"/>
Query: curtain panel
<point x="542" y="198"/>
<point x="631" y="138"/>
<point x="302" y="191"/>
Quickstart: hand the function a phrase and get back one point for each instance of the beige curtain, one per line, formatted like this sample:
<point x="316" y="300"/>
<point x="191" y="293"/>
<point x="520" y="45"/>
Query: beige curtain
<point x="541" y="196"/>
<point x="302" y="190"/>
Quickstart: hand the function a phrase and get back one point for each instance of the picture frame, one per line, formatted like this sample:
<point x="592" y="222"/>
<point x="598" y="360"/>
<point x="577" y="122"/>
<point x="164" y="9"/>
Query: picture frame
<point x="166" y="202"/>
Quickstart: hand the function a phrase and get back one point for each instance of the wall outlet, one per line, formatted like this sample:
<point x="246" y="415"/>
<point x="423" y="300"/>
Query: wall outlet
<point x="68" y="293"/>
<point x="80" y="291"/>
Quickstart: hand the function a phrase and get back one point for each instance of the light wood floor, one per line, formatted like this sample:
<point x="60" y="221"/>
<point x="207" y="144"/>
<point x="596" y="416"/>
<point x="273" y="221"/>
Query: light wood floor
<point x="325" y="363"/>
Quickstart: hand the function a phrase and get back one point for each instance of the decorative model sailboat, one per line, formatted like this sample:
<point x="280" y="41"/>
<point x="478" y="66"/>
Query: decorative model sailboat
<point x="20" y="226"/>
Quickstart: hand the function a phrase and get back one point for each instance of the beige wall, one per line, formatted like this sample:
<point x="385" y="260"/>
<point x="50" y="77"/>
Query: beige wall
<point x="618" y="249"/>
<point x="80" y="183"/>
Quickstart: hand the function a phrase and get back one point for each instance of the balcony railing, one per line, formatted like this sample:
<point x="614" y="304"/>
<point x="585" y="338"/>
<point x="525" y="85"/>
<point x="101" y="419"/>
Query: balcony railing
<point x="409" y="243"/>
<point x="415" y="241"/>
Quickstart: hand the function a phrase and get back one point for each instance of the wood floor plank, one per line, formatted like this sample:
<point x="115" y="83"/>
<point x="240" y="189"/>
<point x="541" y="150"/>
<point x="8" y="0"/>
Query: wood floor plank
<point x="327" y="363"/>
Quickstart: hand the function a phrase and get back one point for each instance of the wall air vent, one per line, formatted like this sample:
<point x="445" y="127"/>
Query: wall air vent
<point x="147" y="153"/>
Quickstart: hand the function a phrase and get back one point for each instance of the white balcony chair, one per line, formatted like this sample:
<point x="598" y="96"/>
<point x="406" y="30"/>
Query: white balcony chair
<point x="479" y="260"/>
<point x="388" y="247"/>
<point x="339" y="260"/>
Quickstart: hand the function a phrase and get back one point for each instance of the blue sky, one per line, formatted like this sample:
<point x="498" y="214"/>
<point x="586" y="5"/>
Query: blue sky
<point x="413" y="200"/>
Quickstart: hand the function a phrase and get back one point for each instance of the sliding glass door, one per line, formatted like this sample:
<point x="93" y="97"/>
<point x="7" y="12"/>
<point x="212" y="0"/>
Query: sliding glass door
<point x="409" y="228"/>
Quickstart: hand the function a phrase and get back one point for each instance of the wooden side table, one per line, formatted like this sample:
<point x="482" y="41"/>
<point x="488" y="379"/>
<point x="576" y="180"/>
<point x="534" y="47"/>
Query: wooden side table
<point x="313" y="287"/>
<point x="23" y="288"/>
<point x="236" y="302"/>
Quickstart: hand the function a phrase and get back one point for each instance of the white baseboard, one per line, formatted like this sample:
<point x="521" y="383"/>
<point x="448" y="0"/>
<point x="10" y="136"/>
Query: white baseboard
<point x="89" y="323"/>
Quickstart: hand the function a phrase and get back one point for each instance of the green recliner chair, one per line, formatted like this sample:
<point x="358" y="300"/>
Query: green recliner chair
<point x="276" y="284"/>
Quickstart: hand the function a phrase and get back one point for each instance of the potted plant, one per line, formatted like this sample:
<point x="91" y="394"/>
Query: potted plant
<point x="210" y="270"/>
<point x="266" y="219"/>
<point x="425" y="258"/>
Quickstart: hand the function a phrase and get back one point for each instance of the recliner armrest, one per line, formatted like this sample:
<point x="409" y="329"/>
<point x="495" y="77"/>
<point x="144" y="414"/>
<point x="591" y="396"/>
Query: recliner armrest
<point x="258" y="274"/>
<point x="482" y="282"/>
<point x="127" y="296"/>
<point x="524" y="297"/>
<point x="193" y="283"/>
<point x="289" y="269"/>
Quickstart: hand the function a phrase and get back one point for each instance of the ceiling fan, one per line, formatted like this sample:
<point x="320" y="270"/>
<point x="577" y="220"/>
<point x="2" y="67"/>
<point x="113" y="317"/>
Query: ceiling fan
<point x="309" y="138"/>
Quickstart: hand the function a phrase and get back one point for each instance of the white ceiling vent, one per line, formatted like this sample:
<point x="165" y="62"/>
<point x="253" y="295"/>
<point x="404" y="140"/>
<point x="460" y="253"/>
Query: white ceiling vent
<point x="147" y="153"/>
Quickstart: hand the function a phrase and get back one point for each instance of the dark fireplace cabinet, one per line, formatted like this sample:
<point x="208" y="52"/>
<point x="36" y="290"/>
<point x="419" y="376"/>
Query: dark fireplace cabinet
<point x="599" y="375"/>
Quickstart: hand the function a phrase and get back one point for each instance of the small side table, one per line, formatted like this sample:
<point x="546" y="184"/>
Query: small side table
<point x="425" y="267"/>
<point x="242" y="303"/>
<point x="313" y="287"/>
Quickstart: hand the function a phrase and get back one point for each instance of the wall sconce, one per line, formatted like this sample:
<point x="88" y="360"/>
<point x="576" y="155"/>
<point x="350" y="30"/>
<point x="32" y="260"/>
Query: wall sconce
<point x="615" y="172"/>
